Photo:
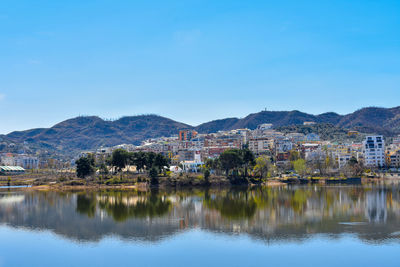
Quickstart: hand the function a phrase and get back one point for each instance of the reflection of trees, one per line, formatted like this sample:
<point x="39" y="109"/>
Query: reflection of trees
<point x="121" y="206"/>
<point x="86" y="204"/>
<point x="298" y="200"/>
<point x="267" y="213"/>
<point x="233" y="205"/>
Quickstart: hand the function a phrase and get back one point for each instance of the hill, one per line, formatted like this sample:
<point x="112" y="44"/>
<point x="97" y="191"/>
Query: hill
<point x="384" y="121"/>
<point x="91" y="132"/>
<point x="83" y="133"/>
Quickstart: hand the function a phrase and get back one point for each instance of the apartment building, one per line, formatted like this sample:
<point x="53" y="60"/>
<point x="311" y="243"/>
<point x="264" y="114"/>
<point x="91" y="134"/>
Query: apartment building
<point x="187" y="135"/>
<point x="261" y="145"/>
<point x="374" y="151"/>
<point x="283" y="145"/>
<point x="393" y="159"/>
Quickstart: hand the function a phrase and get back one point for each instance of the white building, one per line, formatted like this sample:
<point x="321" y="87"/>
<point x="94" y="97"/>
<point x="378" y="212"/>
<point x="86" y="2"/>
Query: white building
<point x="283" y="145"/>
<point x="295" y="137"/>
<point x="374" y="151"/>
<point x="24" y="161"/>
<point x="265" y="126"/>
<point x="193" y="165"/>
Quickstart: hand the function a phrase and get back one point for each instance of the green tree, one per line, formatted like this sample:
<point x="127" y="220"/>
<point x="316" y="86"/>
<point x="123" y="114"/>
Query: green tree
<point x="85" y="166"/>
<point x="119" y="158"/>
<point x="150" y="158"/>
<point x="160" y="162"/>
<point x="230" y="160"/>
<point x="262" y="166"/>
<point x="300" y="166"/>
<point x="214" y="164"/>
<point x="139" y="160"/>
<point x="103" y="168"/>
<point x="247" y="160"/>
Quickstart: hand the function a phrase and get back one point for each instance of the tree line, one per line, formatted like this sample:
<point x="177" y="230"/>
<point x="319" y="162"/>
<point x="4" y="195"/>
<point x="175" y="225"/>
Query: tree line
<point x="153" y="163"/>
<point x="238" y="165"/>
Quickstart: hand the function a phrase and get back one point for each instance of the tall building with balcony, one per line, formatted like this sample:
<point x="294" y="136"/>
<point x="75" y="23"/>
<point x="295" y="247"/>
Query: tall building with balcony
<point x="374" y="151"/>
<point x="261" y="145"/>
<point x="187" y="135"/>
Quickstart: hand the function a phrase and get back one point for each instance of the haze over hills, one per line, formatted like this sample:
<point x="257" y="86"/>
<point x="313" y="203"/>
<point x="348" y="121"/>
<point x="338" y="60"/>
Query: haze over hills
<point x="91" y="132"/>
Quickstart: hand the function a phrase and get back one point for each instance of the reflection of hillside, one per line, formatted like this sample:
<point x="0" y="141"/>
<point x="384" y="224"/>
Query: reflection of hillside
<point x="267" y="214"/>
<point x="61" y="214"/>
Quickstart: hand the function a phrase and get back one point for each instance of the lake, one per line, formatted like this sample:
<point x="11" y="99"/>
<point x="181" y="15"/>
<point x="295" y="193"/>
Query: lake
<point x="278" y="226"/>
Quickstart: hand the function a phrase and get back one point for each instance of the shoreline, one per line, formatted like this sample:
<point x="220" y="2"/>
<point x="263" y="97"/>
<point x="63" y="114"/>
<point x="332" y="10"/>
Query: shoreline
<point x="142" y="186"/>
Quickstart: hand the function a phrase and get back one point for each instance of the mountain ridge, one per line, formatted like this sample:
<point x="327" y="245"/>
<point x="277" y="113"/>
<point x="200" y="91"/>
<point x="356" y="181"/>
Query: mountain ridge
<point x="89" y="132"/>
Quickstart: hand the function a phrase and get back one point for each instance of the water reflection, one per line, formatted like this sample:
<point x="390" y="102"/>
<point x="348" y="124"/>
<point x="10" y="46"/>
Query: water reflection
<point x="233" y="205"/>
<point x="376" y="206"/>
<point x="270" y="214"/>
<point x="122" y="205"/>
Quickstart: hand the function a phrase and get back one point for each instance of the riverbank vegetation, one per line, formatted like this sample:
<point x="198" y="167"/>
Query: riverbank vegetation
<point x="232" y="167"/>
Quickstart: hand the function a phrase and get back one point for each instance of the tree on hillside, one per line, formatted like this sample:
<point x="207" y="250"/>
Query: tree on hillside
<point x="160" y="162"/>
<point x="263" y="165"/>
<point x="119" y="158"/>
<point x="103" y="168"/>
<point x="230" y="160"/>
<point x="139" y="160"/>
<point x="300" y="166"/>
<point x="85" y="166"/>
<point x="247" y="159"/>
<point x="150" y="157"/>
<point x="214" y="164"/>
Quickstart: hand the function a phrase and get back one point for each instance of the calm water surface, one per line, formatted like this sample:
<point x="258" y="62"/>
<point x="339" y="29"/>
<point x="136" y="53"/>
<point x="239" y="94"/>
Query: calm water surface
<point x="283" y="226"/>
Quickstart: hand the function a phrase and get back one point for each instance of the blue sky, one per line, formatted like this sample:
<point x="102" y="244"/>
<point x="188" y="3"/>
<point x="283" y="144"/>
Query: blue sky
<point x="194" y="61"/>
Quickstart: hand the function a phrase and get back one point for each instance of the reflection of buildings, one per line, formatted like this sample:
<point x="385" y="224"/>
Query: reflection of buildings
<point x="270" y="214"/>
<point x="375" y="206"/>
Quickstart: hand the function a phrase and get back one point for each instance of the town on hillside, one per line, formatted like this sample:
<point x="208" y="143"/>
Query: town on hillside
<point x="189" y="151"/>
